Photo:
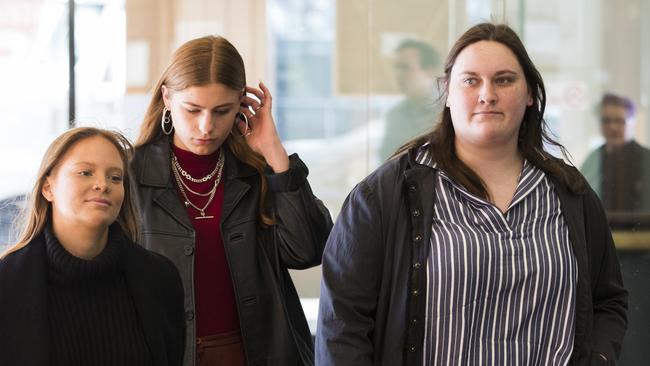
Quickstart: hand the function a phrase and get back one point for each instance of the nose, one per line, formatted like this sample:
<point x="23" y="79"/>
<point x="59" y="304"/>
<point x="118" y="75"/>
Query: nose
<point x="487" y="94"/>
<point x="101" y="185"/>
<point x="206" y="123"/>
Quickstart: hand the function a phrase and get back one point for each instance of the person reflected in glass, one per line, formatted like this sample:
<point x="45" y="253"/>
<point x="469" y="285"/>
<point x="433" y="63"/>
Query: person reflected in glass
<point x="619" y="170"/>
<point x="220" y="197"/>
<point x="76" y="289"/>
<point x="416" y="64"/>
<point x="475" y="245"/>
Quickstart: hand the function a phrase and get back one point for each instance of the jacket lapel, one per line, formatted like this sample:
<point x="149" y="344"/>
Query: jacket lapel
<point x="573" y="213"/>
<point x="168" y="200"/>
<point x="156" y="172"/>
<point x="235" y="188"/>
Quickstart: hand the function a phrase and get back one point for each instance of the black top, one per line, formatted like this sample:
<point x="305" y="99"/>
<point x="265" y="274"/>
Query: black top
<point x="91" y="314"/>
<point x="153" y="291"/>
<point x="625" y="178"/>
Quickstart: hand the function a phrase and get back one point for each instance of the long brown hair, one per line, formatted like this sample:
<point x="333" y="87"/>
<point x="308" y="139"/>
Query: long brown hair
<point x="38" y="211"/>
<point x="199" y="62"/>
<point x="533" y="133"/>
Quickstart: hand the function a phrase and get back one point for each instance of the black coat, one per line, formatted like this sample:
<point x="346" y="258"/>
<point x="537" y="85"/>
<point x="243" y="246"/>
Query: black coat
<point x="273" y="326"/>
<point x="380" y="240"/>
<point x="153" y="283"/>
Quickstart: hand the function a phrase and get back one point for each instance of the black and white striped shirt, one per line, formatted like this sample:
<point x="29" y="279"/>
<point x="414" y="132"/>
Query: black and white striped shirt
<point x="500" y="287"/>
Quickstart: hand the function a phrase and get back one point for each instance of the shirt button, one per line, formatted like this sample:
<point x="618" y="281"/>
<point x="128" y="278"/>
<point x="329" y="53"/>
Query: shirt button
<point x="188" y="250"/>
<point x="412" y="188"/>
<point x="189" y="315"/>
<point x="412" y="349"/>
<point x="414" y="321"/>
<point x="417" y="265"/>
<point x="416" y="213"/>
<point x="417" y="238"/>
<point x="415" y="292"/>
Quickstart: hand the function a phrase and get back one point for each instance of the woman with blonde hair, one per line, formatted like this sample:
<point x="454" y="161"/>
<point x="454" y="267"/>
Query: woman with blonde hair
<point x="220" y="197"/>
<point x="76" y="289"/>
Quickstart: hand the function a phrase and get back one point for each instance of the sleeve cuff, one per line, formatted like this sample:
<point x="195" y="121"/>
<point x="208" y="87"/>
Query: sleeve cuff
<point x="290" y="180"/>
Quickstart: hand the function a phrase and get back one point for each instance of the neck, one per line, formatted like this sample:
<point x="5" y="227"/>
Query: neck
<point x="81" y="242"/>
<point x="498" y="167"/>
<point x="480" y="158"/>
<point x="613" y="145"/>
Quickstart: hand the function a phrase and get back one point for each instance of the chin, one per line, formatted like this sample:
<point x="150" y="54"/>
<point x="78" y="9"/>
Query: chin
<point x="204" y="151"/>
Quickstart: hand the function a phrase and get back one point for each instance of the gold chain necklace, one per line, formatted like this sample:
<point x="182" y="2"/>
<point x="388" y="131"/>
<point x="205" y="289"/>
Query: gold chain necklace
<point x="210" y="193"/>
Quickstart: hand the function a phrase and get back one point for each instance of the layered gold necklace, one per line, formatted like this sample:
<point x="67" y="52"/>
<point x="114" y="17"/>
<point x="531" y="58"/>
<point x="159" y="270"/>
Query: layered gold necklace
<point x="180" y="173"/>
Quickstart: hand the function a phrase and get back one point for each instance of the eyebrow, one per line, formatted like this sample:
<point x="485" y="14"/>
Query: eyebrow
<point x="200" y="106"/>
<point x="498" y="73"/>
<point x="93" y="164"/>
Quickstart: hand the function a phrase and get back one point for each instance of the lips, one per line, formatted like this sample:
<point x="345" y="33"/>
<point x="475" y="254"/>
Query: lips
<point x="488" y="113"/>
<point x="100" y="201"/>
<point x="204" y="141"/>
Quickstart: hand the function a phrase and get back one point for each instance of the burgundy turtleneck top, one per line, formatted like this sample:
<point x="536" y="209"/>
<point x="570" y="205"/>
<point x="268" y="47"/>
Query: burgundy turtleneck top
<point x="215" y="305"/>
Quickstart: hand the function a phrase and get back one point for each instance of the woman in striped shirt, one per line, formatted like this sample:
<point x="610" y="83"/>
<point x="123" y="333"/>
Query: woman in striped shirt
<point x="473" y="245"/>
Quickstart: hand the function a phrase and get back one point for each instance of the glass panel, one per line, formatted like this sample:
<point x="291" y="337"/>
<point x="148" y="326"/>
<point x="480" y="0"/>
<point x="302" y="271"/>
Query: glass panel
<point x="34" y="71"/>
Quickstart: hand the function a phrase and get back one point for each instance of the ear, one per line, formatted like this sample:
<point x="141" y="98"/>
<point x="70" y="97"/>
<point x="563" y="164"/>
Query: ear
<point x="165" y="95"/>
<point x="530" y="99"/>
<point x="46" y="190"/>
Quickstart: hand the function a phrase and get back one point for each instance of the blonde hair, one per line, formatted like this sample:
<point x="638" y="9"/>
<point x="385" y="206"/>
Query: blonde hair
<point x="203" y="61"/>
<point x="37" y="211"/>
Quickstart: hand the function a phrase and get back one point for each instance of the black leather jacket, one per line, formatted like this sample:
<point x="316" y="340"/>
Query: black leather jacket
<point x="273" y="325"/>
<point x="372" y="305"/>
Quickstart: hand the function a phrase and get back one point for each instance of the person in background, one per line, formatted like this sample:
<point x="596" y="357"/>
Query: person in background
<point x="76" y="289"/>
<point x="219" y="196"/>
<point x="416" y="64"/>
<point x="474" y="245"/>
<point x="619" y="170"/>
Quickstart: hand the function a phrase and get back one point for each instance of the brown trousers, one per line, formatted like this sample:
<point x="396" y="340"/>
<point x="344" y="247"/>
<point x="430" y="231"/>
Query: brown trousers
<point x="221" y="349"/>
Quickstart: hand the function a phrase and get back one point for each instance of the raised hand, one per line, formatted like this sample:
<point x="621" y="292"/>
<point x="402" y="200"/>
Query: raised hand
<point x="261" y="134"/>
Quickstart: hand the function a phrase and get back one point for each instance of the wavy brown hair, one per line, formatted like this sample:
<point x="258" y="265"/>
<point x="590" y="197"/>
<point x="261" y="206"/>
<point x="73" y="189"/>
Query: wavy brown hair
<point x="38" y="211"/>
<point x="199" y="62"/>
<point x="533" y="133"/>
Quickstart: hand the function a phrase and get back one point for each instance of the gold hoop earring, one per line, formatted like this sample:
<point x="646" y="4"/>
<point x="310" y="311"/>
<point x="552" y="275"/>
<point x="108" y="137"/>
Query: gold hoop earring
<point x="166" y="120"/>
<point x="247" y="130"/>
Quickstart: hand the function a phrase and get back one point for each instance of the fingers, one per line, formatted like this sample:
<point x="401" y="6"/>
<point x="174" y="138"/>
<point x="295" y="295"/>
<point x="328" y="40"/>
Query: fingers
<point x="252" y="103"/>
<point x="256" y="92"/>
<point x="265" y="90"/>
<point x="263" y="94"/>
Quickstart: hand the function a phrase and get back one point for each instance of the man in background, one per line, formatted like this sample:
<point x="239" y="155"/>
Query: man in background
<point x="416" y="64"/>
<point x="619" y="170"/>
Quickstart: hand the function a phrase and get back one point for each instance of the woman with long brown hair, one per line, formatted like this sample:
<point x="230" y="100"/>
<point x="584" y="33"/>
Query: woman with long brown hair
<point x="219" y="196"/>
<point x="474" y="245"/>
<point x="76" y="289"/>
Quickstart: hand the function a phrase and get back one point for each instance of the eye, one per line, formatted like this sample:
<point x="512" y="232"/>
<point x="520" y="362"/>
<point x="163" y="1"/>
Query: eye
<point x="85" y="173"/>
<point x="192" y="111"/>
<point x="222" y="111"/>
<point x="116" y="178"/>
<point x="470" y="81"/>
<point x="504" y="80"/>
